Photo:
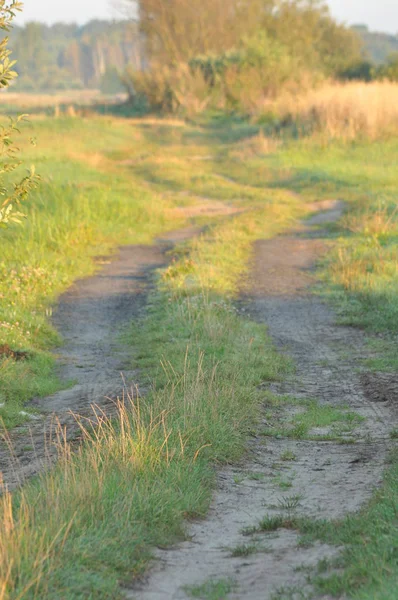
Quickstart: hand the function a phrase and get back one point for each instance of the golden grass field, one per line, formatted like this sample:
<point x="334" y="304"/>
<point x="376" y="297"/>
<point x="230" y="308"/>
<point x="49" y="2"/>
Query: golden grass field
<point x="343" y="110"/>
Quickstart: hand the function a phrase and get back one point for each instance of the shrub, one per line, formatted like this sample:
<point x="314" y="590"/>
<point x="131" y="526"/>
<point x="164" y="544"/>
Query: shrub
<point x="390" y="69"/>
<point x="239" y="79"/>
<point x="363" y="70"/>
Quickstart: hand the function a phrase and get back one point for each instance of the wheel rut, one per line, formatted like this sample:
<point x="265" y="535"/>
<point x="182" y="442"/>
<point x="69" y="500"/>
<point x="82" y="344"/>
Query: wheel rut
<point x="91" y="317"/>
<point x="326" y="474"/>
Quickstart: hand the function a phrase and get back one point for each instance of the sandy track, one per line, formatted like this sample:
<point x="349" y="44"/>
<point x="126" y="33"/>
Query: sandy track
<point x="90" y="316"/>
<point x="330" y="479"/>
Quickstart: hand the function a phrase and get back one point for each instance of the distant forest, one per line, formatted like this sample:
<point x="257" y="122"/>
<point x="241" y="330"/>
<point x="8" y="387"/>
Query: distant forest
<point x="379" y="46"/>
<point x="68" y="56"/>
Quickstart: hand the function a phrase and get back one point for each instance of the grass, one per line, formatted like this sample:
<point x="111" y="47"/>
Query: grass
<point x="83" y="208"/>
<point x="290" y="502"/>
<point x="275" y="522"/>
<point x="348" y="111"/>
<point x="70" y="102"/>
<point x="214" y="589"/>
<point x="244" y="550"/>
<point x="90" y="523"/>
<point x="367" y="563"/>
<point x="288" y="455"/>
<point x="360" y="279"/>
<point x="135" y="479"/>
<point x="99" y="190"/>
<point x="309" y="415"/>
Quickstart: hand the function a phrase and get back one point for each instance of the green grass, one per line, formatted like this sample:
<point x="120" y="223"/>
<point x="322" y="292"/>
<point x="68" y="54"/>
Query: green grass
<point x="80" y="210"/>
<point x="367" y="564"/>
<point x="361" y="279"/>
<point x="134" y="482"/>
<point x="311" y="414"/>
<point x="244" y="550"/>
<point x="288" y="455"/>
<point x="271" y="523"/>
<point x="136" y="479"/>
<point x="90" y="523"/>
<point x="214" y="589"/>
<point x="101" y="187"/>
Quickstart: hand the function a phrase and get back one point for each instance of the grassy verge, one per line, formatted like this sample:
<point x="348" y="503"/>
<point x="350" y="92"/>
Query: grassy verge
<point x="367" y="566"/>
<point x="362" y="275"/>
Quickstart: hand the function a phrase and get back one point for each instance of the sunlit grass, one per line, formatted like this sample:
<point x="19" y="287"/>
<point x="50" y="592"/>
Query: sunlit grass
<point x="82" y="208"/>
<point x="81" y="528"/>
<point x="137" y="477"/>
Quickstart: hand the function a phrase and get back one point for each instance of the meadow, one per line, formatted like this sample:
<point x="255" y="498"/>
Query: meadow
<point x="90" y="523"/>
<point x="56" y="103"/>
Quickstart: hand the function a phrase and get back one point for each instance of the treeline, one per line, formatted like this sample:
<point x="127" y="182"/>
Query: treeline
<point x="64" y="56"/>
<point x="202" y="53"/>
<point x="379" y="46"/>
<point x="206" y="53"/>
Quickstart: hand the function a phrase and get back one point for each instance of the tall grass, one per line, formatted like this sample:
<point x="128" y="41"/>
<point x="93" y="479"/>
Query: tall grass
<point x="364" y="264"/>
<point x="341" y="110"/>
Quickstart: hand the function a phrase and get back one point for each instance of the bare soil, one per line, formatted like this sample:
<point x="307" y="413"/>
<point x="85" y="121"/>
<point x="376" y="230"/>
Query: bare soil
<point x="327" y="479"/>
<point x="91" y="318"/>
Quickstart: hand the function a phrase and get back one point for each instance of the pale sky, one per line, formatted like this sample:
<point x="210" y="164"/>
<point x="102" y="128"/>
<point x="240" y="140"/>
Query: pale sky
<point x="380" y="15"/>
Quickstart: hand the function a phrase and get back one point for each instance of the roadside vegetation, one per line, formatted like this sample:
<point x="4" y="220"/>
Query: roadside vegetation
<point x="158" y="453"/>
<point x="156" y="456"/>
<point x="84" y="206"/>
<point x="266" y="145"/>
<point x="360" y="279"/>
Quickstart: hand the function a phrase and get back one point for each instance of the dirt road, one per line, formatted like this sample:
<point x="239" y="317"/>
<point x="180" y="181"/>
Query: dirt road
<point x="91" y="317"/>
<point x="325" y="474"/>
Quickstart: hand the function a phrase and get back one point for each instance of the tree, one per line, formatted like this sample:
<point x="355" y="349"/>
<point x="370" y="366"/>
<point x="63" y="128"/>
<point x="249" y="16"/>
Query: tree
<point x="178" y="30"/>
<point x="307" y="29"/>
<point x="14" y="195"/>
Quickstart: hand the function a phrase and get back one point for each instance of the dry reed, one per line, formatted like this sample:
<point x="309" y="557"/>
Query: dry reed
<point x="342" y="110"/>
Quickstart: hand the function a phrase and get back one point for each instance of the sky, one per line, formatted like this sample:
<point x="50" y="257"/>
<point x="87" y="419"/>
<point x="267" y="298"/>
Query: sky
<point x="380" y="15"/>
<point x="50" y="11"/>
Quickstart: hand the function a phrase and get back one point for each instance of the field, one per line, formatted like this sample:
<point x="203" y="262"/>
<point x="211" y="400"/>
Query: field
<point x="69" y="101"/>
<point x="206" y="362"/>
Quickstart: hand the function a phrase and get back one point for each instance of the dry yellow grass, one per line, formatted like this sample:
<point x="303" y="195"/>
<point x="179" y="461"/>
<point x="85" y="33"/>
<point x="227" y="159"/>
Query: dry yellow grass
<point x="343" y="110"/>
<point x="79" y="97"/>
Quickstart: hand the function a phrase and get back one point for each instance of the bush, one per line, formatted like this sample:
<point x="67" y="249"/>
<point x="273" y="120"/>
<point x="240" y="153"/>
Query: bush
<point x="239" y="79"/>
<point x="204" y="55"/>
<point x="170" y="90"/>
<point x="265" y="68"/>
<point x="390" y="69"/>
<point x="363" y="70"/>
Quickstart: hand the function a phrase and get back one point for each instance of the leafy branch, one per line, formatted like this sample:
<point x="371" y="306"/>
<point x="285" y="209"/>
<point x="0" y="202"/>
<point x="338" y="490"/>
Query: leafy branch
<point x="14" y="197"/>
